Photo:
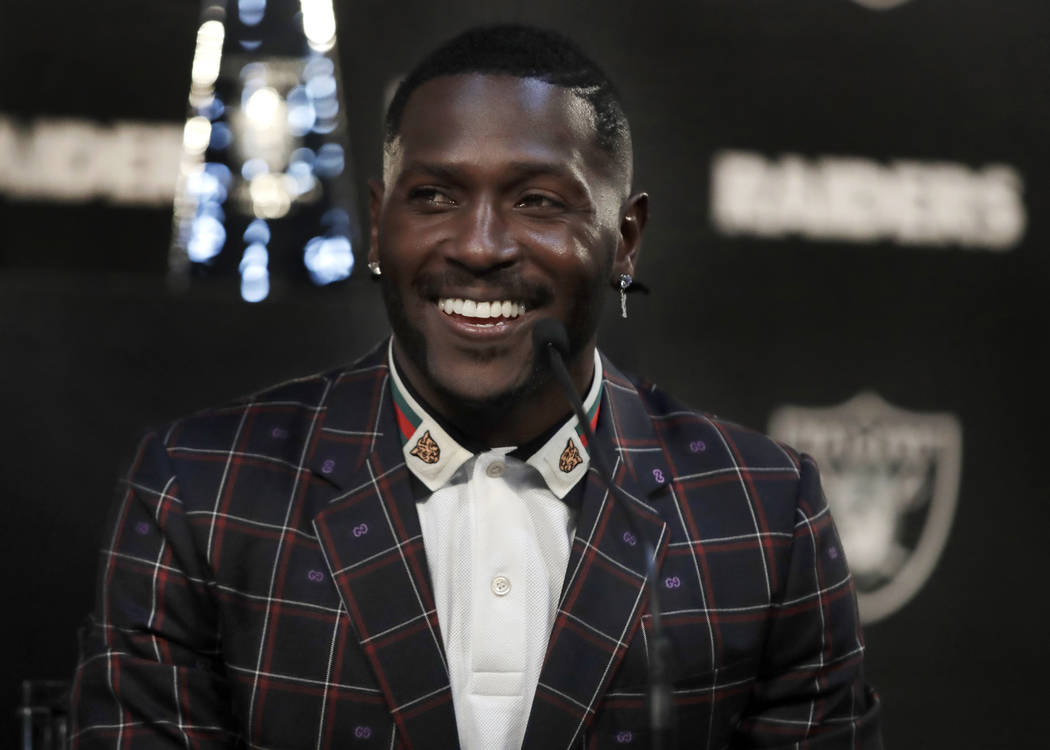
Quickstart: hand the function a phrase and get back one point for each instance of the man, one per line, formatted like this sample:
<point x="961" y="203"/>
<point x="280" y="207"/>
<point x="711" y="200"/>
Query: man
<point x="416" y="551"/>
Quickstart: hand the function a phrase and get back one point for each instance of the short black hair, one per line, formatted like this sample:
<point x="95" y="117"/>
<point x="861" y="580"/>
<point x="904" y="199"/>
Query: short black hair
<point x="523" y="52"/>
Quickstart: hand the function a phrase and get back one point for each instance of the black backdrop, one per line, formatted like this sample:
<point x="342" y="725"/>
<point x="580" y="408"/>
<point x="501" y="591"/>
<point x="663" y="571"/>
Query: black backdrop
<point x="94" y="347"/>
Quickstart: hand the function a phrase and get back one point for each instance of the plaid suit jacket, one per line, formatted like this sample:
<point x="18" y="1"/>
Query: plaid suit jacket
<point x="265" y="585"/>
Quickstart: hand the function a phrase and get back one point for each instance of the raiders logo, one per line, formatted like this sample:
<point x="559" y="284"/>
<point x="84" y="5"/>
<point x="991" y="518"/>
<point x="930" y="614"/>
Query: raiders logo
<point x="570" y="457"/>
<point x="891" y="478"/>
<point x="426" y="449"/>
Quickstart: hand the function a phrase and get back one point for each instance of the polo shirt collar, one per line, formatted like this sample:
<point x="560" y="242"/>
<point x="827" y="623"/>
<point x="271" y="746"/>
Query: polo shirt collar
<point x="434" y="456"/>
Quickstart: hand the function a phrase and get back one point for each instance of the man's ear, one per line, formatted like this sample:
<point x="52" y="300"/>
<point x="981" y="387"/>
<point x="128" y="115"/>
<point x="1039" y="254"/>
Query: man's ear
<point x="633" y="217"/>
<point x="375" y="206"/>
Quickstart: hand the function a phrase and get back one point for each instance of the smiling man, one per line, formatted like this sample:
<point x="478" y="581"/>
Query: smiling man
<point x="416" y="551"/>
<point x="499" y="204"/>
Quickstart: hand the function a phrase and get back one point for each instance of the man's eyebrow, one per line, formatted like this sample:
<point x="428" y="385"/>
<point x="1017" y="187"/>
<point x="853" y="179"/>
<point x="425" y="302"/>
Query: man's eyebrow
<point x="443" y="172"/>
<point x="526" y="170"/>
<point x="520" y="170"/>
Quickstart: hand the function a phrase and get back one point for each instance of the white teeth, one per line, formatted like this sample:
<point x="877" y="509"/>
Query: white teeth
<point x="481" y="310"/>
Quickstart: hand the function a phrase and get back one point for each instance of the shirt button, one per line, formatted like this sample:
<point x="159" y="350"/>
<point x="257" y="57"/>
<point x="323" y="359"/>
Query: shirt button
<point x="501" y="585"/>
<point x="495" y="469"/>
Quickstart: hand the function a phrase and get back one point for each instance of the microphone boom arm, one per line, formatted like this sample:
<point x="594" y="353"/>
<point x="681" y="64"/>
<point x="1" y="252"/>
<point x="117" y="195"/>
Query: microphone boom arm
<point x="661" y="708"/>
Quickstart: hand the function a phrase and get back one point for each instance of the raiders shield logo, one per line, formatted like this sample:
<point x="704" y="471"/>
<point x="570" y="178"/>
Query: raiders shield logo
<point x="426" y="449"/>
<point x="891" y="478"/>
<point x="570" y="457"/>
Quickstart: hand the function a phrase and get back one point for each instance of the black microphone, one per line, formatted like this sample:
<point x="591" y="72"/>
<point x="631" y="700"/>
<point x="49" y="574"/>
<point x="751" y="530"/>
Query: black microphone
<point x="550" y="337"/>
<point x="550" y="332"/>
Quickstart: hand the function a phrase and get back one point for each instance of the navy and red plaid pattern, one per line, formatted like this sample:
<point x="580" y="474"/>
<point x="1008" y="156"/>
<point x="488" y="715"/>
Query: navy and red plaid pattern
<point x="265" y="585"/>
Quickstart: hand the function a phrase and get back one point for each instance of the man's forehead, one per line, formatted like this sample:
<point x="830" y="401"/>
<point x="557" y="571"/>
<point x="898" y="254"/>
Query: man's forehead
<point x="502" y="107"/>
<point x="477" y="99"/>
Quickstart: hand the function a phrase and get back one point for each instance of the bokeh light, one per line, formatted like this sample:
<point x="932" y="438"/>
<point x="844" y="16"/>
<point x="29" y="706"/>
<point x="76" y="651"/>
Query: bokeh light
<point x="328" y="259"/>
<point x="264" y="149"/>
<point x="319" y="24"/>
<point x="251" y="12"/>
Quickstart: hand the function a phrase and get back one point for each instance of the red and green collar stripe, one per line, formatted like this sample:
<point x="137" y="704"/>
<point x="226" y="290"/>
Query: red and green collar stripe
<point x="592" y="417"/>
<point x="407" y="419"/>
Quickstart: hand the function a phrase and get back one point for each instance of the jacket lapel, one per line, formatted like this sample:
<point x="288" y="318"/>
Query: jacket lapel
<point x="604" y="591"/>
<point x="371" y="538"/>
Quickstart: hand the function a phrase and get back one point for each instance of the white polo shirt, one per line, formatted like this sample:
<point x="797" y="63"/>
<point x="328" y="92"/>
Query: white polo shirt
<point x="497" y="536"/>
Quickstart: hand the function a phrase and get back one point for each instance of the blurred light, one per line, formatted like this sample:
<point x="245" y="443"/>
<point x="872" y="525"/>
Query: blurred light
<point x="205" y="187"/>
<point x="305" y="155"/>
<point x="208" y="56"/>
<point x="253" y="168"/>
<point x="220" y="172"/>
<point x="257" y="232"/>
<point x="280" y="90"/>
<point x="328" y="259"/>
<point x="251" y="11"/>
<point x="303" y="176"/>
<point x="208" y="184"/>
<point x="321" y="86"/>
<point x="255" y="283"/>
<point x="270" y="195"/>
<point x="253" y="70"/>
<point x="330" y="160"/>
<point x="255" y="276"/>
<point x="221" y="136"/>
<point x="212" y="209"/>
<point x="327" y="108"/>
<point x="325" y="126"/>
<point x="212" y="109"/>
<point x="207" y="236"/>
<point x="264" y="107"/>
<point x="301" y="112"/>
<point x="301" y="169"/>
<point x="254" y="255"/>
<point x="336" y="220"/>
<point x="319" y="24"/>
<point x="318" y="66"/>
<point x="196" y="135"/>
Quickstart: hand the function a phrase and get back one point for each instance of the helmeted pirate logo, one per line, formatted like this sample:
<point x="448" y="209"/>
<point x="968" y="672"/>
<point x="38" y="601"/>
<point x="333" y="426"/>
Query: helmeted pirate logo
<point x="891" y="478"/>
<point x="426" y="449"/>
<point x="570" y="457"/>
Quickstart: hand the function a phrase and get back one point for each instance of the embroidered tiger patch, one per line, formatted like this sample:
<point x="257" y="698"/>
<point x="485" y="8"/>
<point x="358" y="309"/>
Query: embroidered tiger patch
<point x="426" y="449"/>
<point x="570" y="457"/>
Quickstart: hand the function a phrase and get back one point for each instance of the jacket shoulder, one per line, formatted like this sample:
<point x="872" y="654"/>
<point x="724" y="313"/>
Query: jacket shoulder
<point x="733" y="480"/>
<point x="711" y="440"/>
<point x="271" y="424"/>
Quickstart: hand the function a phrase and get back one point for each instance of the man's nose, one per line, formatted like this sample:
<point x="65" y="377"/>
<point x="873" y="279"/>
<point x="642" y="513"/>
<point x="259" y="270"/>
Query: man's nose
<point x="484" y="240"/>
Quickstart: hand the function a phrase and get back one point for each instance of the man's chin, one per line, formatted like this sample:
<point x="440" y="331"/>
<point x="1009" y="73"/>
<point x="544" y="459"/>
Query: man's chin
<point x="481" y="388"/>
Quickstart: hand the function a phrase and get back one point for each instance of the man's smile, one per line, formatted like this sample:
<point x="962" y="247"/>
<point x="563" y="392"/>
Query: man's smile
<point x="480" y="319"/>
<point x="469" y="308"/>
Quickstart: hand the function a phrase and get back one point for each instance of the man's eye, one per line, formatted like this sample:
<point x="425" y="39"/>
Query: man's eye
<point x="431" y="196"/>
<point x="537" y="200"/>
